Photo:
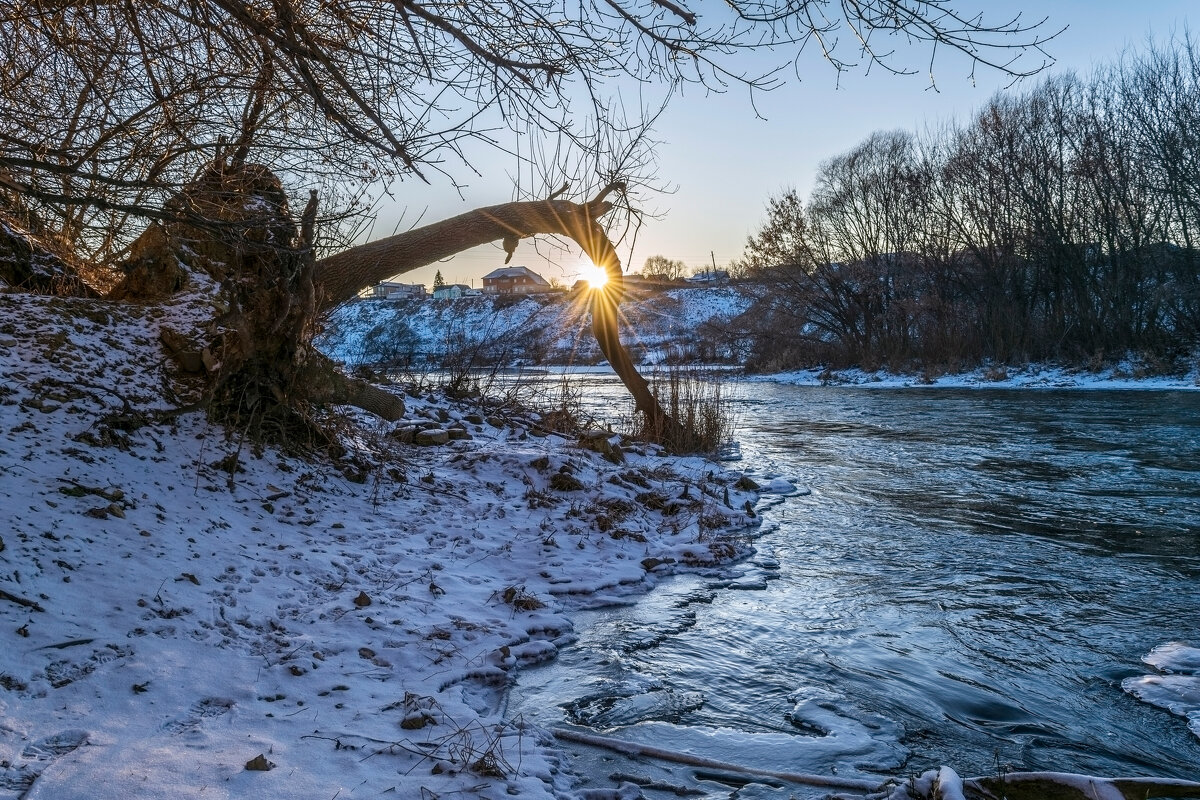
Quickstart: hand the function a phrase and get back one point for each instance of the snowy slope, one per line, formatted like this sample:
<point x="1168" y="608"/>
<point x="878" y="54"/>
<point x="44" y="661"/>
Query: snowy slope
<point x="188" y="616"/>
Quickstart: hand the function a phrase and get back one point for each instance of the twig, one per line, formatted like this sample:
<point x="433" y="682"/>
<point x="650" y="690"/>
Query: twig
<point x="21" y="601"/>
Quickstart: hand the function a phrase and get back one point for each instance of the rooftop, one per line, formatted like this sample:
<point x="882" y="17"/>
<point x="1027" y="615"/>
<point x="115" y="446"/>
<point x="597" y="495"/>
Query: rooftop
<point x="515" y="272"/>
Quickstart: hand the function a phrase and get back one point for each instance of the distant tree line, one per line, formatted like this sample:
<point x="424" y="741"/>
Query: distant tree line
<point x="665" y="269"/>
<point x="1061" y="223"/>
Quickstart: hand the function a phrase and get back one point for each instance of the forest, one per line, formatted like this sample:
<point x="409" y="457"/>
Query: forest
<point x="1059" y="223"/>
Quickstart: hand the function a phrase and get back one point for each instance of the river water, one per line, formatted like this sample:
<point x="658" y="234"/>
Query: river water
<point x="968" y="580"/>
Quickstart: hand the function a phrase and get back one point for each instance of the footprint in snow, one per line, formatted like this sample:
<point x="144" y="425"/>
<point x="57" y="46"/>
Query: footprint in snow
<point x="62" y="673"/>
<point x="18" y="776"/>
<point x="52" y="747"/>
<point x="207" y="708"/>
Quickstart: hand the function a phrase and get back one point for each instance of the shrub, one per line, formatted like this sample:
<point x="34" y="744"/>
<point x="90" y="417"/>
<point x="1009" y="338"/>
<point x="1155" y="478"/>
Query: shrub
<point x="696" y="400"/>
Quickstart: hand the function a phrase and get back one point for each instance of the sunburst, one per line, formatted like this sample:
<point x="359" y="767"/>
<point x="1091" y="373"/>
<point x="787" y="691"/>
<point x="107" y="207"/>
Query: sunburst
<point x="594" y="275"/>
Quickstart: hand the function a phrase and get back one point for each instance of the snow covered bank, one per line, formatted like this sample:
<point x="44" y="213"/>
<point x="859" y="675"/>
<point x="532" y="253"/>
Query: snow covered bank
<point x="187" y="615"/>
<point x="1125" y="376"/>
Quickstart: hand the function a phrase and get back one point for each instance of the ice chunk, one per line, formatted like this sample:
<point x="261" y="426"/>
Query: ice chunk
<point x="1179" y="694"/>
<point x="782" y="486"/>
<point x="1177" y="689"/>
<point x="1175" y="657"/>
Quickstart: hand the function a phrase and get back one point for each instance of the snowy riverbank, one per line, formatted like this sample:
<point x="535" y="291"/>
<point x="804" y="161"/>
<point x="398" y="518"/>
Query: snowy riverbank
<point x="182" y="611"/>
<point x="1122" y="376"/>
<point x="187" y="615"/>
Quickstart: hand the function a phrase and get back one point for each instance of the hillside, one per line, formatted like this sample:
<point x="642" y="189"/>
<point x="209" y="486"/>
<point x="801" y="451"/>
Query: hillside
<point x="687" y="323"/>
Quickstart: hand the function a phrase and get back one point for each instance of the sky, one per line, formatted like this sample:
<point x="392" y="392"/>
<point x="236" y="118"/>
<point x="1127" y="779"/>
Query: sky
<point x="723" y="163"/>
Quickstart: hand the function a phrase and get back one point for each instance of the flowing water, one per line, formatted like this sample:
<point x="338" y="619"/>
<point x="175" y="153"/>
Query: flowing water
<point x="969" y="581"/>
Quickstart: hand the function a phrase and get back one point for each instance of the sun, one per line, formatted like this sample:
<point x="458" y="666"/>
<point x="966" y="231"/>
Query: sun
<point x="595" y="276"/>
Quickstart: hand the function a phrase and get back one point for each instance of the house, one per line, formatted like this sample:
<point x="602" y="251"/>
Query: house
<point x="391" y="290"/>
<point x="709" y="278"/>
<point x="515" y="280"/>
<point x="453" y="291"/>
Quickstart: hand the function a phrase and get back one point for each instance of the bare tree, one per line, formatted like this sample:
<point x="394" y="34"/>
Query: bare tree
<point x="1056" y="223"/>
<point x="164" y="110"/>
<point x="664" y="268"/>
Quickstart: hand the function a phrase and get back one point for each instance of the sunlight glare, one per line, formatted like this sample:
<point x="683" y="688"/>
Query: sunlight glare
<point x="594" y="275"/>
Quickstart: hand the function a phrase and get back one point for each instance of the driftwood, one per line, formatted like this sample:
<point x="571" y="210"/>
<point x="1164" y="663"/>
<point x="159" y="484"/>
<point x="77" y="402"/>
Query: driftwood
<point x="943" y="784"/>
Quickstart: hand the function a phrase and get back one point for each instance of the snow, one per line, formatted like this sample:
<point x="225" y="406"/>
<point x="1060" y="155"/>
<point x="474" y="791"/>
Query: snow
<point x="177" y="603"/>
<point x="1126" y="375"/>
<point x="1176" y="685"/>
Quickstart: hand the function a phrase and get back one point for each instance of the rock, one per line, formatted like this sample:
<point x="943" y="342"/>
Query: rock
<point x="458" y="434"/>
<point x="431" y="437"/>
<point x="405" y="435"/>
<point x="184" y="352"/>
<point x="565" y="482"/>
<point x="363" y="600"/>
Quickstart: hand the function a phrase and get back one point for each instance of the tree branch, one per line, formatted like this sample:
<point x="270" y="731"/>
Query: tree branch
<point x="341" y="276"/>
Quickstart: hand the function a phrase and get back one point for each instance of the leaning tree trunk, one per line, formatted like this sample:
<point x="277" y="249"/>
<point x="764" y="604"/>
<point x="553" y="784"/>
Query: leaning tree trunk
<point x="340" y="277"/>
<point x="232" y="226"/>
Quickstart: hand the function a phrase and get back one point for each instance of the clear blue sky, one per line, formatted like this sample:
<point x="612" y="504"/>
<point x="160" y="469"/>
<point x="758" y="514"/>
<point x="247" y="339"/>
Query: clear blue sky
<point x="725" y="162"/>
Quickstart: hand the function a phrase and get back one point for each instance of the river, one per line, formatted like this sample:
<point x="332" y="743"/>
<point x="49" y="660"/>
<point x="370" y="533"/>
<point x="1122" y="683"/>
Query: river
<point x="966" y="579"/>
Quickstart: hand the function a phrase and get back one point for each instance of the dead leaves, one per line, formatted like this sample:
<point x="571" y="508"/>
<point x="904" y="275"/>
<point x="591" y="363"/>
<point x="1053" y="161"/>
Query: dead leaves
<point x="260" y="764"/>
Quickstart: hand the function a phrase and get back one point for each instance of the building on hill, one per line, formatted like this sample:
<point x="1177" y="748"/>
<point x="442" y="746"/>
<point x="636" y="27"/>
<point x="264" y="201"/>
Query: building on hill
<point x="453" y="291"/>
<point x="391" y="290"/>
<point x="712" y="277"/>
<point x="515" y="280"/>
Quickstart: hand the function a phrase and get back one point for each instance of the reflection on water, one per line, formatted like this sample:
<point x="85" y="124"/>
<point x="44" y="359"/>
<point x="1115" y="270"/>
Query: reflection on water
<point x="971" y="579"/>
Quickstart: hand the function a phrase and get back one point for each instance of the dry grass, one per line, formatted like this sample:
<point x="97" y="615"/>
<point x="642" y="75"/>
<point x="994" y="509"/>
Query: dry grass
<point x="697" y="401"/>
